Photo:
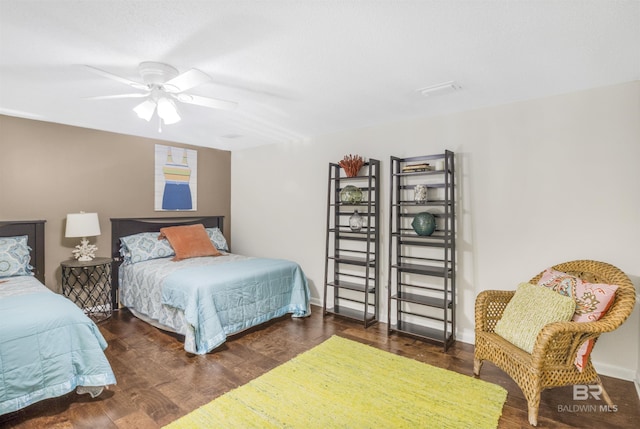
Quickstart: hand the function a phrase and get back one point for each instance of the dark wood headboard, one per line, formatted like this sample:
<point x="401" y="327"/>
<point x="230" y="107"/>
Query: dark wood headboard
<point x="122" y="227"/>
<point x="34" y="230"/>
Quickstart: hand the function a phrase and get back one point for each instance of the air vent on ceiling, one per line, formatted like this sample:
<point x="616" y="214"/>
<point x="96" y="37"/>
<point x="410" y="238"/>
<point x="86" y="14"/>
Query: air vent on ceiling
<point x="440" y="89"/>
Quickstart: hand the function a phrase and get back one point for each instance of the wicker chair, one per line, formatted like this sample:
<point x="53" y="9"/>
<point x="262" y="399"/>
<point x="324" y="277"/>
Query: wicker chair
<point x="552" y="362"/>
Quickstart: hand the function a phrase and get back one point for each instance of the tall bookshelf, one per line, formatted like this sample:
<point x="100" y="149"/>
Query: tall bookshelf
<point x="351" y="282"/>
<point x="422" y="268"/>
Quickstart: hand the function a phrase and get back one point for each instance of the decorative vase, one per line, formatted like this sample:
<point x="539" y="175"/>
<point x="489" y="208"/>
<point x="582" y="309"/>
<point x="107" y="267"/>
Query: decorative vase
<point x="420" y="194"/>
<point x="351" y="164"/>
<point x="424" y="223"/>
<point x="351" y="195"/>
<point x="356" y="222"/>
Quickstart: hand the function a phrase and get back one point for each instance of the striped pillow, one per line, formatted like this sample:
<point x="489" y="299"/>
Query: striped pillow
<point x="531" y="308"/>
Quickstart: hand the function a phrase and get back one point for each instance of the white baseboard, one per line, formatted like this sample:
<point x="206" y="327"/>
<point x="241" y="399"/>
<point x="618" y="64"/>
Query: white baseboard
<point x="614" y="371"/>
<point x="466" y="336"/>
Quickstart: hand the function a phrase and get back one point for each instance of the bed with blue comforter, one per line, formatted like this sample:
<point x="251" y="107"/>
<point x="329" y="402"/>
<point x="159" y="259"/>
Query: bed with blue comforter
<point x="48" y="347"/>
<point x="207" y="299"/>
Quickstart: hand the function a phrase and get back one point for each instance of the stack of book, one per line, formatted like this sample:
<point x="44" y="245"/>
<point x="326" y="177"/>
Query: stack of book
<point x="413" y="168"/>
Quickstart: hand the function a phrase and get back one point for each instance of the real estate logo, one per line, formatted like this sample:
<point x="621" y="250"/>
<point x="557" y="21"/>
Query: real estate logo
<point x="584" y="392"/>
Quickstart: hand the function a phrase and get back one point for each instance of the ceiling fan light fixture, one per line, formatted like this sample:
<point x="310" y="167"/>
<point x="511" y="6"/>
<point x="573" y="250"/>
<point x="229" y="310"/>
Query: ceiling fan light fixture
<point x="163" y="86"/>
<point x="145" y="110"/>
<point x="168" y="111"/>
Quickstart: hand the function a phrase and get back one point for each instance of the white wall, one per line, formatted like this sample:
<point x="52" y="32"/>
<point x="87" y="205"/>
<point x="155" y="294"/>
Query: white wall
<point x="539" y="182"/>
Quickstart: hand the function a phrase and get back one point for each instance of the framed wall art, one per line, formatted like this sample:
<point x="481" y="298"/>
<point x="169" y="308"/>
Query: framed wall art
<point x="176" y="179"/>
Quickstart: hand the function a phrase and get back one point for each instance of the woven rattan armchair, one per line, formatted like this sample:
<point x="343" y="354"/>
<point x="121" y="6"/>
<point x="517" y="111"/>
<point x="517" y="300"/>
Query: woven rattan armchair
<point x="552" y="362"/>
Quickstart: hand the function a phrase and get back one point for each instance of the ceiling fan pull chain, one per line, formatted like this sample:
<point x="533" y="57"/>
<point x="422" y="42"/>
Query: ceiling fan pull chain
<point x="159" y="124"/>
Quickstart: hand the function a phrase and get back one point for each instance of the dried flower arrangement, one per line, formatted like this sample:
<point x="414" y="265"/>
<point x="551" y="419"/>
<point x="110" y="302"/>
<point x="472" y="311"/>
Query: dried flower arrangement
<point x="351" y="164"/>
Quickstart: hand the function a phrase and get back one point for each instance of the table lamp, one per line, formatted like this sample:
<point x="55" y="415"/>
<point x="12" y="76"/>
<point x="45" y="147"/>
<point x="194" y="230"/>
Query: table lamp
<point x="83" y="225"/>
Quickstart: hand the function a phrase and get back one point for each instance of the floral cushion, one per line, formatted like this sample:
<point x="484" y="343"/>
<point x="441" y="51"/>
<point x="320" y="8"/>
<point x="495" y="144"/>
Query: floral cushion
<point x="592" y="302"/>
<point x="144" y="246"/>
<point x="218" y="239"/>
<point x="15" y="256"/>
<point x="530" y="309"/>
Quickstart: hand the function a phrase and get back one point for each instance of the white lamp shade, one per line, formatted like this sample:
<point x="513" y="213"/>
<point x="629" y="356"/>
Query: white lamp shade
<point x="168" y="111"/>
<point x="82" y="225"/>
<point x="145" y="109"/>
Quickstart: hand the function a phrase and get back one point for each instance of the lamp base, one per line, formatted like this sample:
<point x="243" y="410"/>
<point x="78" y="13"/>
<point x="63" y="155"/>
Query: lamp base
<point x="84" y="251"/>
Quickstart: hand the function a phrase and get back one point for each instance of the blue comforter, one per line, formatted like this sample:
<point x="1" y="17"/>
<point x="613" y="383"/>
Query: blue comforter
<point x="227" y="298"/>
<point x="48" y="347"/>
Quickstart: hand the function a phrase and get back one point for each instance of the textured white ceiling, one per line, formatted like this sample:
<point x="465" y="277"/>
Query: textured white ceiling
<point x="304" y="68"/>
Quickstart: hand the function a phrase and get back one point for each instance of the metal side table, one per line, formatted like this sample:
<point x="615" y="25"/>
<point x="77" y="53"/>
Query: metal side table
<point x="88" y="284"/>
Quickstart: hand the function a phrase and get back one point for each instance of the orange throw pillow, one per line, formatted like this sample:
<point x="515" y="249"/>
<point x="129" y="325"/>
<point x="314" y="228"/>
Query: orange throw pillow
<point x="189" y="241"/>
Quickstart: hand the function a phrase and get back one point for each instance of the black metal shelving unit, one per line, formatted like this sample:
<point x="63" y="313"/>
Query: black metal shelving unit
<point x="351" y="282"/>
<point x="422" y="269"/>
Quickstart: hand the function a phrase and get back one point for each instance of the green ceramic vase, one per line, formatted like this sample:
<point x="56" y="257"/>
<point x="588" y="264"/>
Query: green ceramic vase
<point x="424" y="223"/>
<point x="351" y="195"/>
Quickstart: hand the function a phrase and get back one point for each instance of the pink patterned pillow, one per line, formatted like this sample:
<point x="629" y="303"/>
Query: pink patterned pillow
<point x="592" y="302"/>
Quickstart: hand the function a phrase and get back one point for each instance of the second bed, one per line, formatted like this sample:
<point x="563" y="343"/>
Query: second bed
<point x="203" y="298"/>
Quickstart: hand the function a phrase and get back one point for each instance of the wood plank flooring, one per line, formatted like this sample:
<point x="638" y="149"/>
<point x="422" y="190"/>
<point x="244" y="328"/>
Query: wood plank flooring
<point x="159" y="382"/>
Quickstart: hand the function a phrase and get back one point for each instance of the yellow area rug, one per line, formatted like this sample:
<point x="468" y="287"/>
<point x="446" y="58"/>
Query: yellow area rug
<point x="345" y="384"/>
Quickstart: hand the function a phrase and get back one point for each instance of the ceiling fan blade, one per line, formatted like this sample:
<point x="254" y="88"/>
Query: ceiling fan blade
<point x="110" y="97"/>
<point x="185" y="81"/>
<point x="213" y="103"/>
<point x="117" y="78"/>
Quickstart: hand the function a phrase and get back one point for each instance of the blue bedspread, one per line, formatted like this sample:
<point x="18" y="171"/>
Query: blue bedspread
<point x="48" y="347"/>
<point x="221" y="300"/>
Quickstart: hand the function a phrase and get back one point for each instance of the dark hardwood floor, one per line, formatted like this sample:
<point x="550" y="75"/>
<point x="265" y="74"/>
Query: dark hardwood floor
<point x="158" y="382"/>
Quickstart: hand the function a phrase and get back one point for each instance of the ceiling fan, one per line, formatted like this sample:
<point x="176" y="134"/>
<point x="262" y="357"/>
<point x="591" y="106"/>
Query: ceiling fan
<point x="162" y="86"/>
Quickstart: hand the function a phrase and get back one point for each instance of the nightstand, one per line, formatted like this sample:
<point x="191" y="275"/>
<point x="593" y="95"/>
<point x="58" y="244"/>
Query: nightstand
<point x="88" y="284"/>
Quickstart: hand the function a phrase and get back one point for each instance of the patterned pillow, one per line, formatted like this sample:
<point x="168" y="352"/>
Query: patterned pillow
<point x="592" y="302"/>
<point x="15" y="256"/>
<point x="144" y="246"/>
<point x="218" y="239"/>
<point x="530" y="309"/>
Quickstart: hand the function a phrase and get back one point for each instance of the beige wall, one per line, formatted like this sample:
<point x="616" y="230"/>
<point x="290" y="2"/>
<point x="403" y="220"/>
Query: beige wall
<point x="539" y="182"/>
<point x="48" y="170"/>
